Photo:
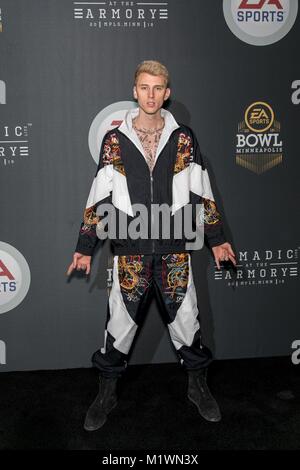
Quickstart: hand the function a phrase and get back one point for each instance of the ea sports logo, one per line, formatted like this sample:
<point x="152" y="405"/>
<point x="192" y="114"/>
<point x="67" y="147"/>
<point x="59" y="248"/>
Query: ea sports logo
<point x="259" y="145"/>
<point x="259" y="117"/>
<point x="14" y="277"/>
<point x="108" y="118"/>
<point x="260" y="22"/>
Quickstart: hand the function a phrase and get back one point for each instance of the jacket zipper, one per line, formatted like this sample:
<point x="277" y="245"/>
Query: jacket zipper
<point x="151" y="177"/>
<point x="151" y="181"/>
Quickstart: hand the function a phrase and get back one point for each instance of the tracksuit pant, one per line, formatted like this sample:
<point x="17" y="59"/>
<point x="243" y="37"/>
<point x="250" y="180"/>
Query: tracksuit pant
<point x="135" y="277"/>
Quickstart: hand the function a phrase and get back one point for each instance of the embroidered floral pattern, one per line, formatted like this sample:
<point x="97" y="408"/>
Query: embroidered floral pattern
<point x="90" y="216"/>
<point x="134" y="276"/>
<point x="175" y="274"/>
<point x="90" y="221"/>
<point x="112" y="153"/>
<point x="184" y="152"/>
<point x="211" y="214"/>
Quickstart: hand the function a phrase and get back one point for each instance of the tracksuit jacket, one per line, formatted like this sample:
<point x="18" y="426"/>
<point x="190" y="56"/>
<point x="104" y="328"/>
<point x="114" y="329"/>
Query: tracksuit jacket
<point x="123" y="179"/>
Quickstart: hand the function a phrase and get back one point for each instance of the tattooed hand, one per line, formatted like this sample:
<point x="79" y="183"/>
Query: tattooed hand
<point x="80" y="262"/>
<point x="223" y="252"/>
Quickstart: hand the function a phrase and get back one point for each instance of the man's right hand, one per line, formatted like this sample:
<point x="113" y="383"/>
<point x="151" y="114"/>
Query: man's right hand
<point x="81" y="263"/>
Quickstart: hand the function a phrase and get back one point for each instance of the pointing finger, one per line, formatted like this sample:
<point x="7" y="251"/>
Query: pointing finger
<point x="233" y="260"/>
<point x="70" y="269"/>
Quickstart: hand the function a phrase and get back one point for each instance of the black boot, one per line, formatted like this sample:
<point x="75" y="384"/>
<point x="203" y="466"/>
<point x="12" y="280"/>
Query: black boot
<point x="104" y="402"/>
<point x="199" y="394"/>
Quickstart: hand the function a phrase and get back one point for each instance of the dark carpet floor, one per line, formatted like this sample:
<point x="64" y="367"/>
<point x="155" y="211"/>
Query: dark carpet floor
<point x="259" y="400"/>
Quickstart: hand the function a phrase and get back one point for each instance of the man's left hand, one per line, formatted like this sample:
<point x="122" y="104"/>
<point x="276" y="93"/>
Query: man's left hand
<point x="223" y="252"/>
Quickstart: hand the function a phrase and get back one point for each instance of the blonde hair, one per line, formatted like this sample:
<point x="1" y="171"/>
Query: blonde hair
<point x="154" y="68"/>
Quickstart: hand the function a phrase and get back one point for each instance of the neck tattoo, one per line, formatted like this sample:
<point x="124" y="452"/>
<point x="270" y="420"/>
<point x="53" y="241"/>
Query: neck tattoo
<point x="147" y="130"/>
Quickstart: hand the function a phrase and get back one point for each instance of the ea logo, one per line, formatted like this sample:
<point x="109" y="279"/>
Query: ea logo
<point x="258" y="4"/>
<point x="108" y="118"/>
<point x="14" y="277"/>
<point x="260" y="22"/>
<point x="259" y="116"/>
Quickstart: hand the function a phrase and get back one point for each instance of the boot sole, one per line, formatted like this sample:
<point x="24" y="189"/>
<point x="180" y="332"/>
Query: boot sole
<point x="211" y="420"/>
<point x="87" y="428"/>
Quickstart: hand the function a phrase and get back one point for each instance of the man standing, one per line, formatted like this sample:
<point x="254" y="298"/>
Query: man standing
<point x="150" y="160"/>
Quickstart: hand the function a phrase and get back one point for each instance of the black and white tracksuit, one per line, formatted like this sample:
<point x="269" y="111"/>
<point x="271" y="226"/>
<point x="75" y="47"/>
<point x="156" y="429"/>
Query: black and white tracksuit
<point x="141" y="265"/>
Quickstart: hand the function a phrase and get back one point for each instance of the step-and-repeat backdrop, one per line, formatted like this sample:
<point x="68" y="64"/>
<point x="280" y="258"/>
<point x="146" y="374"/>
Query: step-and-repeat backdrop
<point x="66" y="76"/>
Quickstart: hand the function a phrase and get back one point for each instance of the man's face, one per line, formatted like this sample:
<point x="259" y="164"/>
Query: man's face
<point x="150" y="92"/>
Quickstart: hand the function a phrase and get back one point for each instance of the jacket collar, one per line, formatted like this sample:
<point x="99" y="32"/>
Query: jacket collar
<point x="170" y="125"/>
